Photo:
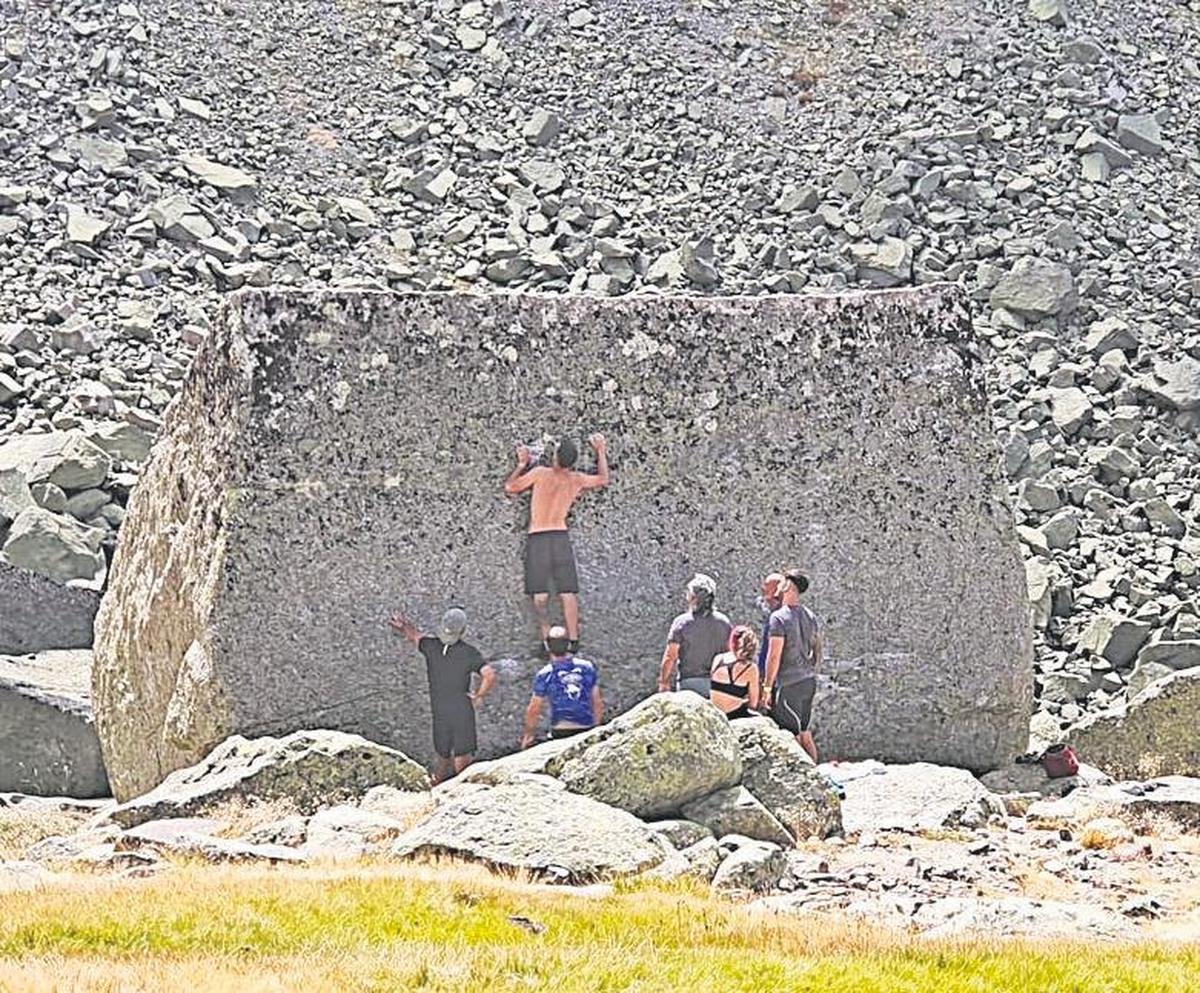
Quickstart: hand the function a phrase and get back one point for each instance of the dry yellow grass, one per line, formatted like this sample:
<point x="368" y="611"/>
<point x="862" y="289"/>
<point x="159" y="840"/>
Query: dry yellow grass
<point x="242" y="816"/>
<point x="20" y="829"/>
<point x="451" y="928"/>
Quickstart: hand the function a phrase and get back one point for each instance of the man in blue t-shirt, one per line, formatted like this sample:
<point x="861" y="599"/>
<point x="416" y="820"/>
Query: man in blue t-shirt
<point x="572" y="687"/>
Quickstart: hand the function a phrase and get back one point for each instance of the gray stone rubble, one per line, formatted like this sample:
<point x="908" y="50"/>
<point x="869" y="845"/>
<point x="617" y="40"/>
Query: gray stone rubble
<point x="157" y="157"/>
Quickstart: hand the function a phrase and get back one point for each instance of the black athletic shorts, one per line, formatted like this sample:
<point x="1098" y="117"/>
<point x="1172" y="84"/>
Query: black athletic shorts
<point x="454" y="730"/>
<point x="793" y="705"/>
<point x="550" y="563"/>
<point x="558" y="733"/>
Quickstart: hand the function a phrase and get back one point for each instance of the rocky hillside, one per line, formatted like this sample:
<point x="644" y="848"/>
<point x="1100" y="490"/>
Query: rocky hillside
<point x="159" y="154"/>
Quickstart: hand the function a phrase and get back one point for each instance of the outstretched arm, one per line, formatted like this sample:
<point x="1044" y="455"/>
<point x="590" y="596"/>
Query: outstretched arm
<point x="599" y="479"/>
<point x="532" y="713"/>
<point x="818" y="652"/>
<point x="597" y="705"/>
<point x="519" y="480"/>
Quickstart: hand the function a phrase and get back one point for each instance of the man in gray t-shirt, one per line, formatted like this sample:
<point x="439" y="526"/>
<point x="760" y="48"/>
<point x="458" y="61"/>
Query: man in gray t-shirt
<point x="696" y="636"/>
<point x="793" y="657"/>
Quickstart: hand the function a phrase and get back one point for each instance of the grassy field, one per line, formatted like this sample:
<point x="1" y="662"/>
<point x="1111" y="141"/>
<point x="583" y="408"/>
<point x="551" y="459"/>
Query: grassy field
<point x="448" y="928"/>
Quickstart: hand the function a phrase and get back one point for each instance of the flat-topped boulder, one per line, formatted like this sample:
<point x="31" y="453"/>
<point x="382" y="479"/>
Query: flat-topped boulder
<point x="538" y="826"/>
<point x="335" y="456"/>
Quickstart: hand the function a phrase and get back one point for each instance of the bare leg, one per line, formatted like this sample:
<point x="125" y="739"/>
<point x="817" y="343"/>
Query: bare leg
<point x="541" y="612"/>
<point x="461" y="762"/>
<point x="441" y="770"/>
<point x="805" y="739"/>
<point x="570" y="602"/>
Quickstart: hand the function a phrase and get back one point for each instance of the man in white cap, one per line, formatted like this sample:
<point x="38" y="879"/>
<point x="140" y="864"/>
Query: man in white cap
<point x="696" y="637"/>
<point x="450" y="662"/>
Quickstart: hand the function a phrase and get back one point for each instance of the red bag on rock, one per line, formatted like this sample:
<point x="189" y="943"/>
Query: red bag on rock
<point x="1060" y="761"/>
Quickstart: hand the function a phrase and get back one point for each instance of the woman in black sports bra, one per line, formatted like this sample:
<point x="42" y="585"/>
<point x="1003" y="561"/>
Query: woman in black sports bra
<point x="733" y="682"/>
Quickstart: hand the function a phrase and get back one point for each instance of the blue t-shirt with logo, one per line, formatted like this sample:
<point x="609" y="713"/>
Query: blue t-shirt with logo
<point x="567" y="684"/>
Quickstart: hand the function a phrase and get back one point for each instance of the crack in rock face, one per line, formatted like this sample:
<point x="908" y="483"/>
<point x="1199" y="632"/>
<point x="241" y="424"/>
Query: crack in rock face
<point x="336" y="456"/>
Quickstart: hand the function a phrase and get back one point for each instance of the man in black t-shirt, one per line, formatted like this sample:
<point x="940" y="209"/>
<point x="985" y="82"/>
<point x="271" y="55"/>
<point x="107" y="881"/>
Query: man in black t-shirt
<point x="450" y="662"/>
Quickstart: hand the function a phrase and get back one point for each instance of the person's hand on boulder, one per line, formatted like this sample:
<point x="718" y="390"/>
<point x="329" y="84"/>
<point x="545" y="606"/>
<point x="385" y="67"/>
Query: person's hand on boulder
<point x="526" y="741"/>
<point x="524" y="457"/>
<point x="598" y="442"/>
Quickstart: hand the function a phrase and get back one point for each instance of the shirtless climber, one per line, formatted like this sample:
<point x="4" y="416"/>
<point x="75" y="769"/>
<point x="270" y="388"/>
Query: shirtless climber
<point x="549" y="557"/>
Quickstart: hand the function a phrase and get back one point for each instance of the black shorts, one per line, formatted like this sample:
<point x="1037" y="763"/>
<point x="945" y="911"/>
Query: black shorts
<point x="550" y="563"/>
<point x="793" y="705"/>
<point x="559" y="733"/>
<point x="454" y="730"/>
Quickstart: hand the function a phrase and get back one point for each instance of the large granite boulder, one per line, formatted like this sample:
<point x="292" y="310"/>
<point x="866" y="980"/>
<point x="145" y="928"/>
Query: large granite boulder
<point x="40" y="613"/>
<point x="1153" y="734"/>
<point x="781" y="775"/>
<point x="48" y="743"/>
<point x="312" y="769"/>
<point x="388" y="423"/>
<point x="535" y="825"/>
<point x="667" y="751"/>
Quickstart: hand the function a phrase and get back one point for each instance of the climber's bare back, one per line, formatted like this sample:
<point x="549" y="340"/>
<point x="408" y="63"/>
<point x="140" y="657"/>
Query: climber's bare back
<point x="552" y="493"/>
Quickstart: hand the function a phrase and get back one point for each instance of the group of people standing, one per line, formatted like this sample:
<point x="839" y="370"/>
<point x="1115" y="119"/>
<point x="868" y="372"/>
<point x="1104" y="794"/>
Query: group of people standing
<point x="773" y="672"/>
<point x="741" y="671"/>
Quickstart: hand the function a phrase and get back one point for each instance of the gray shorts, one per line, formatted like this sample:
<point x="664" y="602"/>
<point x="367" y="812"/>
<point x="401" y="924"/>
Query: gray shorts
<point x="697" y="684"/>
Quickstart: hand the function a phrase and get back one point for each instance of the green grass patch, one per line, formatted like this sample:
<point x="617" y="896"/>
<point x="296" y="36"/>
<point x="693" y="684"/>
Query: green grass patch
<point x="450" y="928"/>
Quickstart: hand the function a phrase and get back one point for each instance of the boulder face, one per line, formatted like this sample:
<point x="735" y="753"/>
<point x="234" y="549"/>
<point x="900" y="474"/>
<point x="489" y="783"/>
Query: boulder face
<point x="664" y="753"/>
<point x="1153" y="734"/>
<point x="48" y="743"/>
<point x="309" y="768"/>
<point x="387" y="424"/>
